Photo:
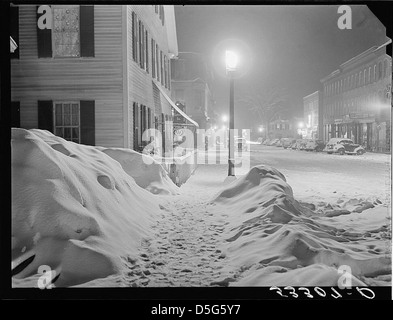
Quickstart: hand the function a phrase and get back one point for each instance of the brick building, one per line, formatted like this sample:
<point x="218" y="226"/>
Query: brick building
<point x="356" y="100"/>
<point x="93" y="74"/>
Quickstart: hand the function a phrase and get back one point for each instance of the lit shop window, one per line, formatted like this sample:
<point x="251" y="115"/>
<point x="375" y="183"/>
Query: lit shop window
<point x="67" y="124"/>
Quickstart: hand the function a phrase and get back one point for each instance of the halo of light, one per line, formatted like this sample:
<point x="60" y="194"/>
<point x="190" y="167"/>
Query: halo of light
<point x="244" y="57"/>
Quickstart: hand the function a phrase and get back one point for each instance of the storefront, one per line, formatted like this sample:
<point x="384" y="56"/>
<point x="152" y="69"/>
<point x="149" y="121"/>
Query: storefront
<point x="363" y="129"/>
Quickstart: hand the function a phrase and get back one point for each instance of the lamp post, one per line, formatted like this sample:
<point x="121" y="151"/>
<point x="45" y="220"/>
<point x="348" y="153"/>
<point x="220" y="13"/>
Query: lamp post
<point x="231" y="65"/>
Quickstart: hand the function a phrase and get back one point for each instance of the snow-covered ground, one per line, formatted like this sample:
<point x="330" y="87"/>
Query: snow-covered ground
<point x="99" y="217"/>
<point x="76" y="209"/>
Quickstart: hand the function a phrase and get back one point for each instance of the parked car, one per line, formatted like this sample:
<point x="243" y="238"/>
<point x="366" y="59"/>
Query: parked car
<point x="288" y="143"/>
<point x="285" y="142"/>
<point x="279" y="143"/>
<point x="265" y="142"/>
<point x="343" y="146"/>
<point x="302" y="145"/>
<point x="299" y="144"/>
<point x="273" y="142"/>
<point x="241" y="144"/>
<point x="296" y="144"/>
<point x="260" y="140"/>
<point x="315" y="145"/>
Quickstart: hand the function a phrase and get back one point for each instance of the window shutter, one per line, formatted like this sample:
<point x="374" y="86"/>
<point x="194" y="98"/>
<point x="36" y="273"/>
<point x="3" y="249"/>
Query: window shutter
<point x="143" y="47"/>
<point x="87" y="122"/>
<point x="147" y="51"/>
<point x="162" y="67"/>
<point x="134" y="36"/>
<point x="87" y="31"/>
<point x="45" y="115"/>
<point x="44" y="40"/>
<point x="169" y="74"/>
<point x="158" y="70"/>
<point x="15" y="114"/>
<point x="140" y="39"/>
<point x="153" y="60"/>
<point x="135" y="124"/>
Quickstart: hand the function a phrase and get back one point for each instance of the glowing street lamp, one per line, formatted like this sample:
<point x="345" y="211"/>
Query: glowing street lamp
<point x="224" y="118"/>
<point x="231" y="61"/>
<point x="260" y="129"/>
<point x="301" y="125"/>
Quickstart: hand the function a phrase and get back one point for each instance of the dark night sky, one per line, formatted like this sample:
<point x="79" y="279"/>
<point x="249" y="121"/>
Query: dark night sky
<point x="292" y="47"/>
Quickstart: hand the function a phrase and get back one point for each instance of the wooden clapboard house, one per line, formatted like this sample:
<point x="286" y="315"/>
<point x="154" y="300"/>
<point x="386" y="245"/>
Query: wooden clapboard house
<point x="96" y="75"/>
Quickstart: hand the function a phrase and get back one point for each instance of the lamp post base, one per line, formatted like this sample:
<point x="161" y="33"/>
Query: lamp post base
<point x="231" y="168"/>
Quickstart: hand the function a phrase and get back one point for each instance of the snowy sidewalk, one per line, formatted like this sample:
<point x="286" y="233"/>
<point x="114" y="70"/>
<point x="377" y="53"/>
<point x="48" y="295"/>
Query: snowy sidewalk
<point x="184" y="249"/>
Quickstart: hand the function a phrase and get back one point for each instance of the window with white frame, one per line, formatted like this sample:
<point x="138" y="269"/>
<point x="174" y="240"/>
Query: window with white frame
<point x="67" y="120"/>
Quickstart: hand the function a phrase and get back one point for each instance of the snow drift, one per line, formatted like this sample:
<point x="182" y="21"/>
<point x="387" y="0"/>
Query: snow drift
<point x="272" y="239"/>
<point x="147" y="172"/>
<point x="75" y="209"/>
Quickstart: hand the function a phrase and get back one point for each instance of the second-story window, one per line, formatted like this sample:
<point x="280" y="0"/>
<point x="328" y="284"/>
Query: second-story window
<point x="153" y="58"/>
<point x="165" y="72"/>
<point x="364" y="77"/>
<point x="379" y="70"/>
<point x="162" y="67"/>
<point x="375" y="73"/>
<point x="147" y="51"/>
<point x="169" y="74"/>
<point x="158" y="69"/>
<point x="135" y="38"/>
<point x="162" y="14"/>
<point x="65" y="34"/>
<point x="65" y="31"/>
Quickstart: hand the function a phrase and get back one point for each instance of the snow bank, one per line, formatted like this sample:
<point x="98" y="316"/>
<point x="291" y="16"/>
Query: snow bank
<point x="147" y="172"/>
<point x="74" y="209"/>
<point x="272" y="239"/>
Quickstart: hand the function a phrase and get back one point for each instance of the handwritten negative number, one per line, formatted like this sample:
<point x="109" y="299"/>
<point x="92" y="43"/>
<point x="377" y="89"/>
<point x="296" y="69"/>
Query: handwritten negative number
<point x="292" y="293"/>
<point x="279" y="291"/>
<point x="307" y="293"/>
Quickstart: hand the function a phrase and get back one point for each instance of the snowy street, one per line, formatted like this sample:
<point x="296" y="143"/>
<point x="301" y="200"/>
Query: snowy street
<point x="187" y="246"/>
<point x="317" y="176"/>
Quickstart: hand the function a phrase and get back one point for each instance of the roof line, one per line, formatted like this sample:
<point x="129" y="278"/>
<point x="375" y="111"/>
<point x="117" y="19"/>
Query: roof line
<point x="310" y="94"/>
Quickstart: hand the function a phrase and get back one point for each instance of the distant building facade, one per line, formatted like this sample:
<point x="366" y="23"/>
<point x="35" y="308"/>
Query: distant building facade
<point x="357" y="102"/>
<point x="93" y="74"/>
<point x="311" y="104"/>
<point x="191" y="86"/>
<point x="281" y="128"/>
